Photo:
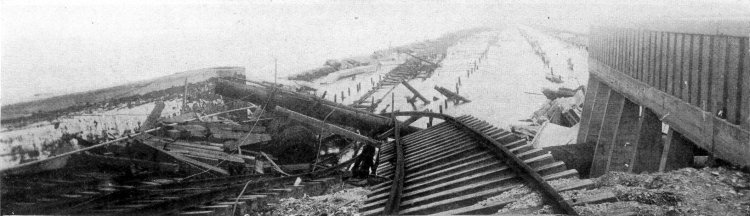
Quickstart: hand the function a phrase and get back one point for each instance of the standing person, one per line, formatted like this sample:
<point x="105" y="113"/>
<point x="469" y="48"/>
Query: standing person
<point x="364" y="162"/>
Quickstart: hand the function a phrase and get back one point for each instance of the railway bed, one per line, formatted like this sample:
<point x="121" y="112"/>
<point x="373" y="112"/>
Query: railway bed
<point x="452" y="166"/>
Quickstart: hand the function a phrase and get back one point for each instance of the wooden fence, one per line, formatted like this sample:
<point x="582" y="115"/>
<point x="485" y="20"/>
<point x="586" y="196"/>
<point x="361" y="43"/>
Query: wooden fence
<point x="697" y="83"/>
<point x="709" y="71"/>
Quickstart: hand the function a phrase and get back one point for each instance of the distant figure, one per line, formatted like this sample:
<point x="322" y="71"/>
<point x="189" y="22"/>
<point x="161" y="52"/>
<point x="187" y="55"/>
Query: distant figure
<point x="364" y="162"/>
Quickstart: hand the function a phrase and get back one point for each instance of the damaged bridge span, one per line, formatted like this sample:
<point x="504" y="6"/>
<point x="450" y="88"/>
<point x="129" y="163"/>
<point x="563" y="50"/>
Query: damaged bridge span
<point x="452" y="166"/>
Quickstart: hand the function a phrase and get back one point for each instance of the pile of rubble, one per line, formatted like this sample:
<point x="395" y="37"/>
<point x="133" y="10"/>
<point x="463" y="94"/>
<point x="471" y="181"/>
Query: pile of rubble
<point x="344" y="201"/>
<point x="556" y="121"/>
<point x="688" y="191"/>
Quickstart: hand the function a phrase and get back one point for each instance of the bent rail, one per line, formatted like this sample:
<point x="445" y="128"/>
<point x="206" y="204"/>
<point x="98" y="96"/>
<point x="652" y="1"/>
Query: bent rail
<point x="479" y="133"/>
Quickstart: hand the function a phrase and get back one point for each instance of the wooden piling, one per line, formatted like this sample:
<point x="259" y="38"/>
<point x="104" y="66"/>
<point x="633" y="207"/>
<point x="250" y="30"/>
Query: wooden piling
<point x="416" y="93"/>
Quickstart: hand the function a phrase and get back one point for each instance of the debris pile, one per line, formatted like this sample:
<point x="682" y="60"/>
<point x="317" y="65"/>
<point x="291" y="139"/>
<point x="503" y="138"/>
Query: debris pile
<point x="346" y="201"/>
<point x="688" y="191"/>
<point x="564" y="110"/>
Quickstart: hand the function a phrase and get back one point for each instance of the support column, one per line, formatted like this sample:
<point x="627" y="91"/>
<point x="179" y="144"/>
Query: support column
<point x="588" y="105"/>
<point x="621" y="157"/>
<point x="650" y="144"/>
<point x="597" y="114"/>
<point x="678" y="152"/>
<point x="607" y="131"/>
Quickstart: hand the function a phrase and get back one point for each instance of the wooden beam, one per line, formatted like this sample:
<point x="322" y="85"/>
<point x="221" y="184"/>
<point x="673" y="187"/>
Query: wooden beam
<point x="451" y="96"/>
<point x="326" y="126"/>
<point x="649" y="145"/>
<point x="732" y="81"/>
<point x="745" y="86"/>
<point x="695" y="70"/>
<point x="124" y="162"/>
<point x="732" y="143"/>
<point x="626" y="137"/>
<point x="705" y="67"/>
<point x="367" y="122"/>
<point x="192" y="162"/>
<point x="153" y="116"/>
<point x="390" y="132"/>
<point x="678" y="152"/>
<point x="416" y="93"/>
<point x="588" y="106"/>
<point x="607" y="132"/>
<point x="597" y="113"/>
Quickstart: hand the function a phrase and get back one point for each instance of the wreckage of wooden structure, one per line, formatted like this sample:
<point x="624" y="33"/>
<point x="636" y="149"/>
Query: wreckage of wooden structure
<point x="457" y="99"/>
<point x="309" y="105"/>
<point x="327" y="127"/>
<point x="416" y="93"/>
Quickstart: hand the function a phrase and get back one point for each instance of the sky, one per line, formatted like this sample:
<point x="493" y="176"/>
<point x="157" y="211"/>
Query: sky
<point x="51" y="48"/>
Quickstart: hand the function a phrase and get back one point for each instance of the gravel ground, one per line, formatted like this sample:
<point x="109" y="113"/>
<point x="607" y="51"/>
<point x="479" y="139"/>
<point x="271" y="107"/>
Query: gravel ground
<point x="342" y="200"/>
<point x="688" y="191"/>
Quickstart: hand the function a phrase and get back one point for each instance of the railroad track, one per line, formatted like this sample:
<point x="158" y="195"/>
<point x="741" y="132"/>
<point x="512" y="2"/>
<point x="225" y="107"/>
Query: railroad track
<point x="450" y="167"/>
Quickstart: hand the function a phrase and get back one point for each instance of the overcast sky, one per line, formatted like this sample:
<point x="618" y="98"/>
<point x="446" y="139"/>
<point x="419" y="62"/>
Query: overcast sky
<point x="48" y="47"/>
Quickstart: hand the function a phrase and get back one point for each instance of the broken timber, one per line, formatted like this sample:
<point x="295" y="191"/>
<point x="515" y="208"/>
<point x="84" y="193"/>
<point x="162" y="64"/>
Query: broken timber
<point x="309" y="105"/>
<point x="452" y="96"/>
<point x="416" y="93"/>
<point x="327" y="127"/>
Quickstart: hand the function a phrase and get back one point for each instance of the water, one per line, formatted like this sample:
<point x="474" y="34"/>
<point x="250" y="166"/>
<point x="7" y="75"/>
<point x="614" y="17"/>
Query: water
<point x="61" y="49"/>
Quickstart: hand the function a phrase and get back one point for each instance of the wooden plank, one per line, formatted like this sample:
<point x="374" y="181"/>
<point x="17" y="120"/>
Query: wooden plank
<point x="687" y="119"/>
<point x="606" y="47"/>
<point x="677" y="61"/>
<point x="603" y="197"/>
<point x="695" y="72"/>
<point x="718" y="75"/>
<point x="685" y="68"/>
<point x="732" y="80"/>
<point x="326" y="127"/>
<point x="649" y="145"/>
<point x="678" y="152"/>
<point x="654" y="68"/>
<point x="597" y="113"/>
<point x="634" y="53"/>
<point x="705" y="93"/>
<point x="190" y="145"/>
<point x="623" y="51"/>
<point x="745" y="85"/>
<point x="649" y="60"/>
<point x="626" y="138"/>
<point x="627" y="48"/>
<point x="607" y="131"/>
<point x="206" y="154"/>
<point x="200" y="165"/>
<point x="588" y="106"/>
<point x="670" y="69"/>
<point x="662" y="60"/>
<point x="641" y="55"/>
<point x="415" y="92"/>
<point x="613" y="48"/>
<point x="126" y="162"/>
<point x="153" y="116"/>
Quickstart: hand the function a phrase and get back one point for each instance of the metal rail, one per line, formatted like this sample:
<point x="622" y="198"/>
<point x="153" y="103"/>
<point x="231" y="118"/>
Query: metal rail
<point x="394" y="200"/>
<point x="486" y="137"/>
